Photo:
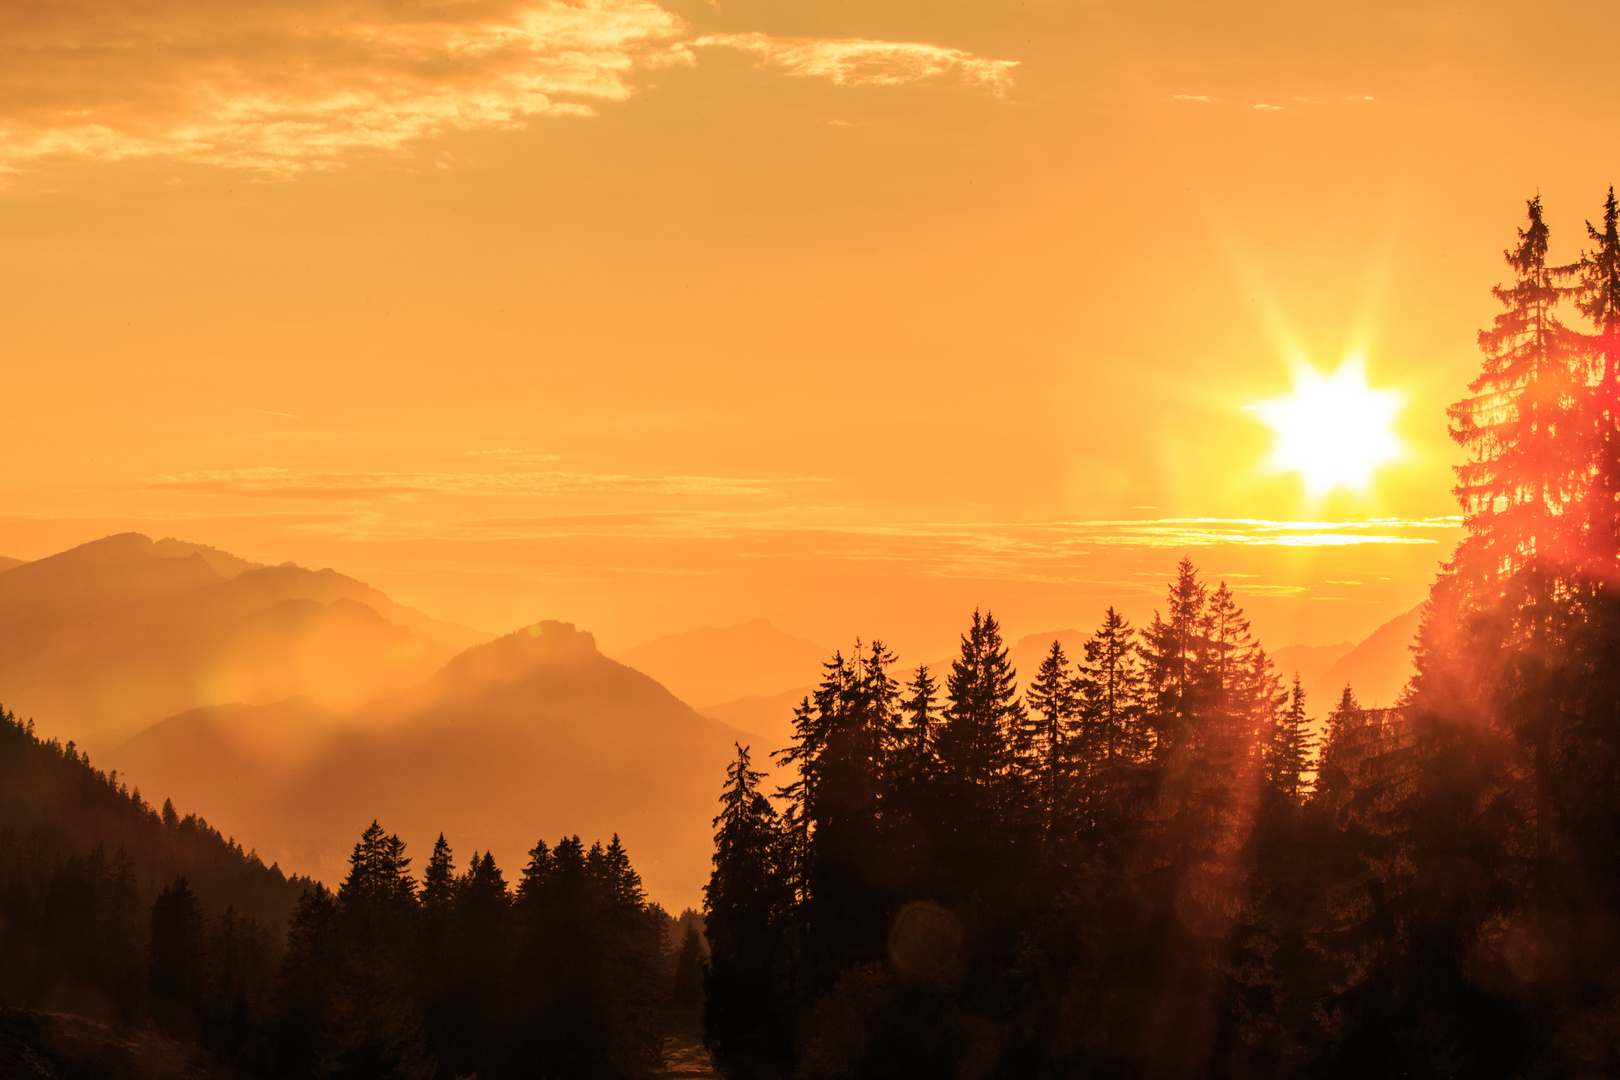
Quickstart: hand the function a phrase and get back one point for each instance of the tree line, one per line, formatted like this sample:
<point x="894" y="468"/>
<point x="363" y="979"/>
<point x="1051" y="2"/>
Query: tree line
<point x="568" y="972"/>
<point x="73" y="908"/>
<point x="1143" y="865"/>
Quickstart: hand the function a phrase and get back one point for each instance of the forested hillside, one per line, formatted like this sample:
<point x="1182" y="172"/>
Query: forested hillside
<point x="536" y="728"/>
<point x="1140" y="866"/>
<point x="82" y="859"/>
<point x="115" y="911"/>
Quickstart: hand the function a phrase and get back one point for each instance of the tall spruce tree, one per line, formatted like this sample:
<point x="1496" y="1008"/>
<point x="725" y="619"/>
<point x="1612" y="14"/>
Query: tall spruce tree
<point x="178" y="974"/>
<point x="1051" y="719"/>
<point x="305" y="1008"/>
<point x="1173" y="650"/>
<point x="981" y="719"/>
<point x="1110" y="687"/>
<point x="1114" y="742"/>
<point x="1599" y="300"/>
<point x="1524" y="426"/>
<point x="748" y="986"/>
<point x="1289" y="754"/>
<point x="375" y="1029"/>
<point x="916" y="740"/>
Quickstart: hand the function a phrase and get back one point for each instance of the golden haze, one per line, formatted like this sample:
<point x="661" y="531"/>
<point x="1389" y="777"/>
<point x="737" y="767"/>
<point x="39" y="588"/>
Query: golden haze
<point x="651" y="316"/>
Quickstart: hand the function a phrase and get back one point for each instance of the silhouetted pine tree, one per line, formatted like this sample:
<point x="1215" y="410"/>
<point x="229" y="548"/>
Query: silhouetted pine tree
<point x="476" y="973"/>
<point x="1114" y="741"/>
<point x="749" y="986"/>
<point x="687" y="989"/>
<point x="437" y="953"/>
<point x="1598" y="298"/>
<point x="177" y="972"/>
<point x="977" y="777"/>
<point x="375" y="1027"/>
<point x="915" y="743"/>
<point x="304" y="1007"/>
<point x="241" y="964"/>
<point x="1289" y="752"/>
<point x="845" y="909"/>
<point x="1173" y="650"/>
<point x="1044" y="749"/>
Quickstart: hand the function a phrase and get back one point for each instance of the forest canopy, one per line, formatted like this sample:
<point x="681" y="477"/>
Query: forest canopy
<point x="1152" y="861"/>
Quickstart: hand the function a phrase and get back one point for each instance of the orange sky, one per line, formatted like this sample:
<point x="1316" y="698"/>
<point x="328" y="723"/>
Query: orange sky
<point x="849" y="315"/>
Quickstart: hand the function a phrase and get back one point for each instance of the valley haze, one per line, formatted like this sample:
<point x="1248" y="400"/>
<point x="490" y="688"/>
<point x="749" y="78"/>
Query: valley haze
<point x="292" y="707"/>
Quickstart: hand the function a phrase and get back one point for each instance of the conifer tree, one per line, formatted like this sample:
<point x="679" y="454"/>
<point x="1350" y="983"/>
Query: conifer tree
<point x="476" y="973"/>
<point x="916" y="741"/>
<point x="305" y="1008"/>
<point x="375" y="1027"/>
<point x="687" y="989"/>
<point x="981" y="719"/>
<point x="745" y="1021"/>
<point x="1289" y="758"/>
<point x="1598" y="298"/>
<point x="1113" y="743"/>
<point x="1522" y="424"/>
<point x="1525" y="425"/>
<point x="1174" y="650"/>
<point x="177" y="971"/>
<point x="1051" y="719"/>
<point x="1333" y="779"/>
<point x="1110" y="686"/>
<point x="438" y="945"/>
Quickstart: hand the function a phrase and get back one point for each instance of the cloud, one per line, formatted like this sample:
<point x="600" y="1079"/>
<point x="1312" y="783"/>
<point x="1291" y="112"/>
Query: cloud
<point x="860" y="62"/>
<point x="281" y="86"/>
<point x="1203" y="99"/>
<point x="273" y="483"/>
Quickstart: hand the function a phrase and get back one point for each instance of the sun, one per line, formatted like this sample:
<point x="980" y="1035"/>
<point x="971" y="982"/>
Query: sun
<point x="1334" y="430"/>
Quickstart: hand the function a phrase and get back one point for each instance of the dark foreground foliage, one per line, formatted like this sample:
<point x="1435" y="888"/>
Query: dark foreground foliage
<point x="82" y="861"/>
<point x="569" y="973"/>
<point x="1140" y="867"/>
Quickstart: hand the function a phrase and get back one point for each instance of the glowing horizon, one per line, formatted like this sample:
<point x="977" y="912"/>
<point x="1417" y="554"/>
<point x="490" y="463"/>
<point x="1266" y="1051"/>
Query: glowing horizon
<point x="651" y="314"/>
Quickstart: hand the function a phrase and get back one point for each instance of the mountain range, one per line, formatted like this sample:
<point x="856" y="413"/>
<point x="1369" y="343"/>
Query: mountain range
<point x="293" y="706"/>
<point x="534" y="735"/>
<point x="103" y="640"/>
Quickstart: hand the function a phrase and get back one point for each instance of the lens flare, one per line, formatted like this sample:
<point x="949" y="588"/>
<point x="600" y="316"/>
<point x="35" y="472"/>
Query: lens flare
<point x="1334" y="430"/>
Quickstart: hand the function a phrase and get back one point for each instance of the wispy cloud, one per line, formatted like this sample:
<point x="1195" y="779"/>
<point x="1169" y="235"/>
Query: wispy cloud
<point x="861" y="62"/>
<point x="285" y="85"/>
<point x="271" y="483"/>
<point x="1202" y="99"/>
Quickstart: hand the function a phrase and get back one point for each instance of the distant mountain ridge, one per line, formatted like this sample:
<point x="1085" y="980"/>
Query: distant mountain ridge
<point x="712" y="664"/>
<point x="103" y="639"/>
<point x="1377" y="669"/>
<point x="293" y="706"/>
<point x="535" y="733"/>
<point x="1310" y="662"/>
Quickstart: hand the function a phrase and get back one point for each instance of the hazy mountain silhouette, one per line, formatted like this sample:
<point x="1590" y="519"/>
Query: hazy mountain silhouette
<point x="1378" y="668"/>
<point x="768" y="716"/>
<point x="533" y="734"/>
<point x="7" y="562"/>
<point x="712" y="665"/>
<point x="1310" y="661"/>
<point x="102" y="640"/>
